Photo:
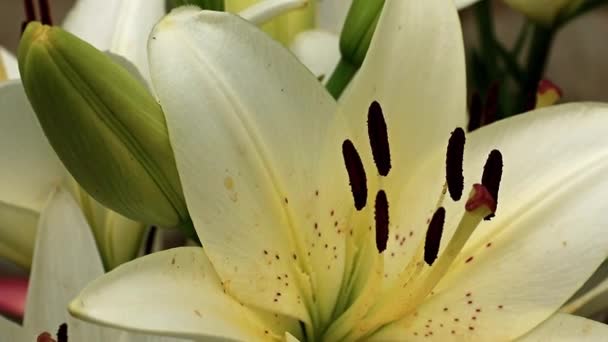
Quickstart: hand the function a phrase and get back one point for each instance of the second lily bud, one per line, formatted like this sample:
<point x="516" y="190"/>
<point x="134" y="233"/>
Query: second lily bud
<point x="104" y="124"/>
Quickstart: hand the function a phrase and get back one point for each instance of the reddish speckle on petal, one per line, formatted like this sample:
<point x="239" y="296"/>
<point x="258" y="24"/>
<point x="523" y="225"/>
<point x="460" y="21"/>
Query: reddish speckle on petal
<point x="469" y="259"/>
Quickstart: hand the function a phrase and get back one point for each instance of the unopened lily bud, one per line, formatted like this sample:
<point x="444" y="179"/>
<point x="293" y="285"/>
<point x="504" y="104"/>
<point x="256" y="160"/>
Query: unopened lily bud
<point x="545" y="12"/>
<point x="358" y="30"/>
<point x="107" y="129"/>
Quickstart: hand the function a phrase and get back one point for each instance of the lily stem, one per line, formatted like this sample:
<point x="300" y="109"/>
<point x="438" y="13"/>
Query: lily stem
<point x="340" y="78"/>
<point x="538" y="55"/>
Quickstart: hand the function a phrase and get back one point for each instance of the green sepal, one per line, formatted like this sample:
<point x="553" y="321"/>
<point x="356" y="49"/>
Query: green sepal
<point x="106" y="127"/>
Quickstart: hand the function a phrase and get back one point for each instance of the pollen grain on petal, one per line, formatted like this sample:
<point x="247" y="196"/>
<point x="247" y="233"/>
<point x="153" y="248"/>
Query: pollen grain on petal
<point x="433" y="236"/>
<point x="453" y="164"/>
<point x="356" y="174"/>
<point x="378" y="138"/>
<point x="382" y="220"/>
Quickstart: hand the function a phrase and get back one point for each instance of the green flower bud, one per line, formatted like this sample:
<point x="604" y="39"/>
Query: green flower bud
<point x="106" y="127"/>
<point x="359" y="29"/>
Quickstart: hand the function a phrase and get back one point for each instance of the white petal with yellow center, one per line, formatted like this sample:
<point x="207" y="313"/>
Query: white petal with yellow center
<point x="547" y="237"/>
<point x="256" y="148"/>
<point x="187" y="299"/>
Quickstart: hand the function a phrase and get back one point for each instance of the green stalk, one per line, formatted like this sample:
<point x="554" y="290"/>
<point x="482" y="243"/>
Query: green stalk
<point x="340" y="78"/>
<point x="485" y="27"/>
<point x="536" y="63"/>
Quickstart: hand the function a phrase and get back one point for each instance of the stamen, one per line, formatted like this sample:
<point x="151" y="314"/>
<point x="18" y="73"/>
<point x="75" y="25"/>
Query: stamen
<point x="45" y="12"/>
<point x="62" y="333"/>
<point x="413" y="286"/>
<point x="480" y="197"/>
<point x="30" y="12"/>
<point x="264" y="11"/>
<point x="492" y="174"/>
<point x="475" y="110"/>
<point x="378" y="138"/>
<point x="381" y="216"/>
<point x="433" y="236"/>
<point x="453" y="164"/>
<point x="356" y="174"/>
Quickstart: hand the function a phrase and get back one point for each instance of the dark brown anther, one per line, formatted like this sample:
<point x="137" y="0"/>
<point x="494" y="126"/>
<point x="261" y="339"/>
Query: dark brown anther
<point x="433" y="236"/>
<point x="492" y="174"/>
<point x="382" y="220"/>
<point x="356" y="174"/>
<point x="30" y="12"/>
<point x="45" y="12"/>
<point x="378" y="138"/>
<point x="62" y="333"/>
<point x="453" y="164"/>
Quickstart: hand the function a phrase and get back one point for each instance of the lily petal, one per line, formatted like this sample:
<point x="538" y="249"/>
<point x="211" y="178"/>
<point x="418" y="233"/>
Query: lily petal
<point x="10" y="331"/>
<point x="59" y="271"/>
<point x="34" y="167"/>
<point x="460" y="4"/>
<point x="415" y="69"/>
<point x="318" y="50"/>
<point x="17" y="234"/>
<point x="122" y="27"/>
<point x="187" y="299"/>
<point x="548" y="235"/>
<point x="592" y="298"/>
<point x="564" y="327"/>
<point x="14" y="292"/>
<point x="9" y="69"/>
<point x="258" y="152"/>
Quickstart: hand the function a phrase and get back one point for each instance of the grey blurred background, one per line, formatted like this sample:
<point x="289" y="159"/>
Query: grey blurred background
<point x="578" y="63"/>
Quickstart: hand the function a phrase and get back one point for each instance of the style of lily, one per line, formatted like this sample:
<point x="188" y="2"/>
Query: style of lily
<point x="293" y="252"/>
<point x="65" y="260"/>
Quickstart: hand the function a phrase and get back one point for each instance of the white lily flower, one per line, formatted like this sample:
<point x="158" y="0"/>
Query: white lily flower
<point x="65" y="259"/>
<point x="291" y="251"/>
<point x="31" y="171"/>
